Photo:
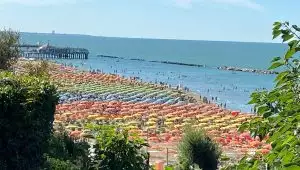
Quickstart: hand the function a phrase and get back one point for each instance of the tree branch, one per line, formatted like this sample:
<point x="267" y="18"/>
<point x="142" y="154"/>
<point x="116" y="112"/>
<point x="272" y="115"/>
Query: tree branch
<point x="290" y="29"/>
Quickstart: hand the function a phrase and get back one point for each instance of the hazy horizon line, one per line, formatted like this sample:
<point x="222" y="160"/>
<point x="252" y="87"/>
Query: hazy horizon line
<point x="147" y="38"/>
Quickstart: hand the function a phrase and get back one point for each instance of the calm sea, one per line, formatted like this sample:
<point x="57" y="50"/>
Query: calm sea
<point x="232" y="88"/>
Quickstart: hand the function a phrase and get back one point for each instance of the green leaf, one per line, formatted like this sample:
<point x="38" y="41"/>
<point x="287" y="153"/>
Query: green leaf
<point x="296" y="61"/>
<point x="243" y="127"/>
<point x="276" y="33"/>
<point x="287" y="23"/>
<point x="287" y="37"/>
<point x="282" y="75"/>
<point x="296" y="27"/>
<point x="277" y="23"/>
<point x="287" y="158"/>
<point x="285" y="32"/>
<point x="290" y="53"/>
<point x="293" y="44"/>
<point x="276" y="65"/>
<point x="267" y="114"/>
<point x="275" y="59"/>
<point x="293" y="167"/>
<point x="276" y="27"/>
<point x="168" y="168"/>
<point x="262" y="109"/>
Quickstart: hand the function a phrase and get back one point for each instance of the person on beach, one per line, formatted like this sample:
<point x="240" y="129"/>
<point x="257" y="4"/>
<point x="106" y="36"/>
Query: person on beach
<point x="205" y="99"/>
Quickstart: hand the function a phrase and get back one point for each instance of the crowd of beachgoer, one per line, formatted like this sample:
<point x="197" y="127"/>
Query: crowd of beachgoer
<point x="162" y="85"/>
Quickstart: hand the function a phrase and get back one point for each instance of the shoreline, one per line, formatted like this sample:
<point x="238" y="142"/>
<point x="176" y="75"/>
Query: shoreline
<point x="189" y="95"/>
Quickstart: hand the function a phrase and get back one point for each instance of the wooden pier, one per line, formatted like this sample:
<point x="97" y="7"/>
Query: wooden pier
<point x="52" y="52"/>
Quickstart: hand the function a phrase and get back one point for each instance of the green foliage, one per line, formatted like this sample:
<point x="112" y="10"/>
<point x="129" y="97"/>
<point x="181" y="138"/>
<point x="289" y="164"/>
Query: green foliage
<point x="279" y="108"/>
<point x="62" y="150"/>
<point x="169" y="168"/>
<point x="37" y="68"/>
<point x="197" y="148"/>
<point x="57" y="164"/>
<point x="115" y="151"/>
<point x="9" y="51"/>
<point x="26" y="116"/>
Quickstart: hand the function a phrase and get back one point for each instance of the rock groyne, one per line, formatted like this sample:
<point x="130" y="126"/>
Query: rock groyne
<point x="230" y="68"/>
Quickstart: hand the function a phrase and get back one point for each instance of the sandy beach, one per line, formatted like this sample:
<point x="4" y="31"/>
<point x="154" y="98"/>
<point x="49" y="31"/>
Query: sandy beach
<point x="154" y="112"/>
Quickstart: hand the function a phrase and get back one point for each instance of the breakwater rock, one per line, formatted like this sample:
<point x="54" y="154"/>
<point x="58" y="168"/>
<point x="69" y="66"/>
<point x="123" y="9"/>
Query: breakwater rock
<point x="155" y="61"/>
<point x="247" y="70"/>
<point x="109" y="56"/>
<point x="178" y="63"/>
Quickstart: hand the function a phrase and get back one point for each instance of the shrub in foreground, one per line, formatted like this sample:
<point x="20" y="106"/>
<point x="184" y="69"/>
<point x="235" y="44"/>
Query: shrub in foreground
<point x="26" y="116"/>
<point x="115" y="151"/>
<point x="196" y="148"/>
<point x="279" y="109"/>
<point x="64" y="151"/>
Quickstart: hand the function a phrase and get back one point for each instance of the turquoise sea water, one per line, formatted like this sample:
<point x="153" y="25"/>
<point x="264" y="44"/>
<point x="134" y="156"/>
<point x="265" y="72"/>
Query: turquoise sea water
<point x="232" y="88"/>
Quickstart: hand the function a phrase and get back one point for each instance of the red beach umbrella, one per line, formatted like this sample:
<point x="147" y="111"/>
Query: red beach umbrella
<point x="235" y="113"/>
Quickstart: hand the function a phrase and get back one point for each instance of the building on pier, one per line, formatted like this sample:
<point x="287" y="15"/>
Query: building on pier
<point x="52" y="52"/>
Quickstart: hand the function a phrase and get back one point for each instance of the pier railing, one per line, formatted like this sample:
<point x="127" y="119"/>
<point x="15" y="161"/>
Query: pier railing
<point x="47" y="51"/>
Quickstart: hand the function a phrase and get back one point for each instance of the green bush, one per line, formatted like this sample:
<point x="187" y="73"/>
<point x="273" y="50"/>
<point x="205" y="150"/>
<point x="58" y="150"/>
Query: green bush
<point x="63" y="150"/>
<point x="37" y="68"/>
<point x="114" y="150"/>
<point x="196" y="148"/>
<point x="9" y="51"/>
<point x="57" y="164"/>
<point x="26" y="116"/>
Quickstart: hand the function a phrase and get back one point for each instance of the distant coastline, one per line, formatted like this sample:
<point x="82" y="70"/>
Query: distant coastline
<point x="228" y="68"/>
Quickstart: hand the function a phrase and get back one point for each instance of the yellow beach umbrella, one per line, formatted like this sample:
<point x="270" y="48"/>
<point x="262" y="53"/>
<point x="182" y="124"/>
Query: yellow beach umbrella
<point x="100" y="118"/>
<point x="57" y="121"/>
<point x="153" y="119"/>
<point x="92" y="116"/>
<point x="133" y="123"/>
<point x="67" y="114"/>
<point x="71" y="126"/>
<point x="168" y="123"/>
<point x="178" y="126"/>
<point x="150" y="123"/>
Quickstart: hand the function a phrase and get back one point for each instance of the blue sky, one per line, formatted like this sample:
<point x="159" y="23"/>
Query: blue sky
<point x="226" y="20"/>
